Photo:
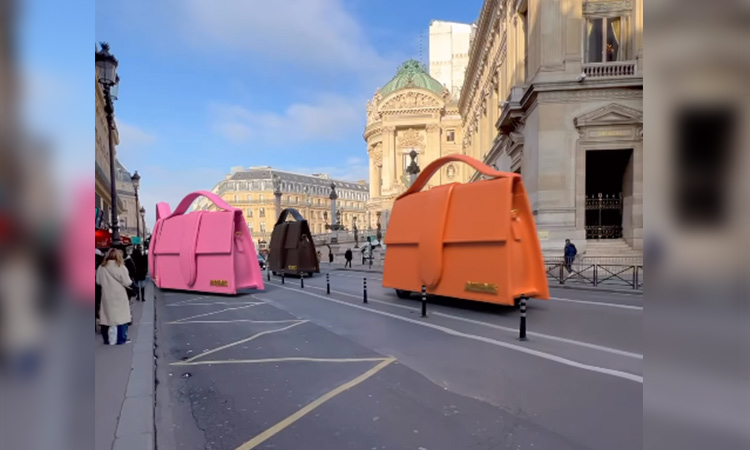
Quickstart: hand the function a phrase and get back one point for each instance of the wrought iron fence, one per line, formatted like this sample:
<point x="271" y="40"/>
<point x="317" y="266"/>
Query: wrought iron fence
<point x="629" y="276"/>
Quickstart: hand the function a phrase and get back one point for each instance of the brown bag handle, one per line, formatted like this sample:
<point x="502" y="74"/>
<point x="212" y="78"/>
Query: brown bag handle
<point x="434" y="166"/>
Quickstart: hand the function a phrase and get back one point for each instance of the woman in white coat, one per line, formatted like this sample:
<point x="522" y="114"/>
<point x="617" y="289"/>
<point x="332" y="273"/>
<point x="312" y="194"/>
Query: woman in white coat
<point x="112" y="276"/>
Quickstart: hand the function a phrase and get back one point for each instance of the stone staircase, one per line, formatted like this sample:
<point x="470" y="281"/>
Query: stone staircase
<point x="611" y="251"/>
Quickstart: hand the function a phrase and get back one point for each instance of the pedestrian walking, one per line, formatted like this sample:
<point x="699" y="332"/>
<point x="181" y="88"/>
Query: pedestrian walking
<point x="112" y="276"/>
<point x="130" y="265"/>
<point x="348" y="256"/>
<point x="141" y="272"/>
<point x="98" y="292"/>
<point x="570" y="253"/>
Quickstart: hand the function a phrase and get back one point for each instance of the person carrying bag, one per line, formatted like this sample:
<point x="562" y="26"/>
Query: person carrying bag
<point x="112" y="276"/>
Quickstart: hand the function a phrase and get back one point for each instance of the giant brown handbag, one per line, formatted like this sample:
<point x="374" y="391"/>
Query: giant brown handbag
<point x="474" y="241"/>
<point x="292" y="246"/>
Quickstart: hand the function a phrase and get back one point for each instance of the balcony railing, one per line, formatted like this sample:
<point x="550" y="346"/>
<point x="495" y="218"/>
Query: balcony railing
<point x="609" y="69"/>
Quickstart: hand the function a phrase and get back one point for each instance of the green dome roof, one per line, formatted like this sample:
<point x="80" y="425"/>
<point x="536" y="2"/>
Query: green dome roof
<point x="412" y="74"/>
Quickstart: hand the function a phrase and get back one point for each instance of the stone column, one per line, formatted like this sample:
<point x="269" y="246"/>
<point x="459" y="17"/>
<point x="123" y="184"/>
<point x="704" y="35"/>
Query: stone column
<point x="638" y="18"/>
<point x="374" y="182"/>
<point x="432" y="152"/>
<point x="389" y="158"/>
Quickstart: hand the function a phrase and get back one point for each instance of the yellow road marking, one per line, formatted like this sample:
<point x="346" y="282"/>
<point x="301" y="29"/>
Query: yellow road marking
<point x="242" y="341"/>
<point x="273" y="360"/>
<point x="269" y="433"/>
<point x="217" y="312"/>
<point x="234" y="321"/>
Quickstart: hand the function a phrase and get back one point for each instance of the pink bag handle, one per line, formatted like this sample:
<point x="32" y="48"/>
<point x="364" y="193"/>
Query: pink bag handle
<point x="190" y="198"/>
<point x="434" y="166"/>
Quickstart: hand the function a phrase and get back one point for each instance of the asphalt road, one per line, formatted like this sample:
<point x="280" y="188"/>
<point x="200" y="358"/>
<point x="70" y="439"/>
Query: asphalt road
<point x="294" y="368"/>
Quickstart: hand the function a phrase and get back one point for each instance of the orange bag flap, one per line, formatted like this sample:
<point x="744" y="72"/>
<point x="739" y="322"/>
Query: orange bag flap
<point x="435" y="204"/>
<point x="479" y="212"/>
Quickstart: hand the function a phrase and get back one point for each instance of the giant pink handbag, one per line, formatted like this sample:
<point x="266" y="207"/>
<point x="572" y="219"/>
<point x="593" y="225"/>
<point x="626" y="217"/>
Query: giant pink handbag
<point x="204" y="251"/>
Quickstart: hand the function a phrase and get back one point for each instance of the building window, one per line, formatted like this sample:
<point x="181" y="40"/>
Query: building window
<point x="605" y="39"/>
<point x="235" y="199"/>
<point x="262" y="213"/>
<point x="289" y="199"/>
<point x="262" y="197"/>
<point x="250" y="226"/>
<point x="249" y="212"/>
<point x="262" y="227"/>
<point x="249" y="197"/>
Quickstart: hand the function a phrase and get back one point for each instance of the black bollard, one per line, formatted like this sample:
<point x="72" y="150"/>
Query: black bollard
<point x="328" y="284"/>
<point x="268" y="273"/>
<point x="302" y="280"/>
<point x="424" y="301"/>
<point x="522" y="329"/>
<point x="365" y="289"/>
<point x="282" y="277"/>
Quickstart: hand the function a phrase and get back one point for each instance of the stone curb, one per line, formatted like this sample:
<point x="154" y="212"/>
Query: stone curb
<point x="135" y="428"/>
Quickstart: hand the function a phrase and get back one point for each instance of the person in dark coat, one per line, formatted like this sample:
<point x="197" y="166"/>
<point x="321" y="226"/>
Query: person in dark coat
<point x="348" y="256"/>
<point x="141" y="272"/>
<point x="98" y="301"/>
<point x="570" y="253"/>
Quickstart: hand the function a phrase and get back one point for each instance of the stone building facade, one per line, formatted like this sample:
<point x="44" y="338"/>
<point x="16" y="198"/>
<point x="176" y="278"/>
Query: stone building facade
<point x="554" y="91"/>
<point x="252" y="191"/>
<point x="129" y="213"/>
<point x="449" y="53"/>
<point x="413" y="111"/>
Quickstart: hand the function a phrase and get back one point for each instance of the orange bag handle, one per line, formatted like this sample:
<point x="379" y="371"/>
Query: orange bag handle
<point x="434" y="166"/>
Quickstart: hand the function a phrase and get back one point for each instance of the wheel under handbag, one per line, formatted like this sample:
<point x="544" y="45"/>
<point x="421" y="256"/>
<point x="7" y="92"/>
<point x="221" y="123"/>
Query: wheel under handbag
<point x="473" y="241"/>
<point x="204" y="251"/>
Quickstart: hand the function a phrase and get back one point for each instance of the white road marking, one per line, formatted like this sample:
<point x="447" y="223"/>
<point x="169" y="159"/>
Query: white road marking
<point x="273" y="360"/>
<point x="217" y="312"/>
<point x="241" y="341"/>
<point x="215" y="303"/>
<point x="589" y="302"/>
<point x="499" y="327"/>
<point x="452" y="332"/>
<point x="233" y="321"/>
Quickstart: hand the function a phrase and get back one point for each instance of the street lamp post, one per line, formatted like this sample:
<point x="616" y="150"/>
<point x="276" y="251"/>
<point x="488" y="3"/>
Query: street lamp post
<point x="106" y="65"/>
<point x="413" y="169"/>
<point x="334" y="217"/>
<point x="143" y="221"/>
<point x="277" y="194"/>
<point x="136" y="179"/>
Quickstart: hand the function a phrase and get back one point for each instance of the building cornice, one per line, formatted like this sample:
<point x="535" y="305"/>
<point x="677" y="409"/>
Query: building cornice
<point x="479" y="48"/>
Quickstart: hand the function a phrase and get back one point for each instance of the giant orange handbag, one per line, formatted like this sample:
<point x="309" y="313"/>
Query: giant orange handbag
<point x="474" y="241"/>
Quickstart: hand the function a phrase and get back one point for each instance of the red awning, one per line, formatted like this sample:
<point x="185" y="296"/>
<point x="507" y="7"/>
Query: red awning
<point x="103" y="239"/>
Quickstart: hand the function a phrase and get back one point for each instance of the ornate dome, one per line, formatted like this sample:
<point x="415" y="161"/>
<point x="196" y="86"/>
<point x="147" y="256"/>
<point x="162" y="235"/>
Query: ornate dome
<point x="412" y="74"/>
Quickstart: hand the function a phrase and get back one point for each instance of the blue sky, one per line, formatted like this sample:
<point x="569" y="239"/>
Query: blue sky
<point x="211" y="84"/>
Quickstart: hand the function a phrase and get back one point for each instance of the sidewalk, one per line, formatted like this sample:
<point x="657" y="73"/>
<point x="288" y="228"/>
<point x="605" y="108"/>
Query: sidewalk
<point x="124" y="385"/>
<point x="327" y="267"/>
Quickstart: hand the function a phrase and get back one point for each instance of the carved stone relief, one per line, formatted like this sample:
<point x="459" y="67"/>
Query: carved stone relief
<point x="376" y="153"/>
<point x="410" y="100"/>
<point x="607" y="6"/>
<point x="410" y="138"/>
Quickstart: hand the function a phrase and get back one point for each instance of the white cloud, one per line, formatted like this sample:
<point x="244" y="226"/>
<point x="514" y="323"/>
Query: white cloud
<point x="317" y="33"/>
<point x="132" y="137"/>
<point x="330" y="118"/>
<point x="354" y="169"/>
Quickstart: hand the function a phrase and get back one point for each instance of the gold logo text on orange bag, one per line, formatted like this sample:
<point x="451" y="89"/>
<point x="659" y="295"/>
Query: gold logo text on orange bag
<point x="220" y="283"/>
<point x="486" y="288"/>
